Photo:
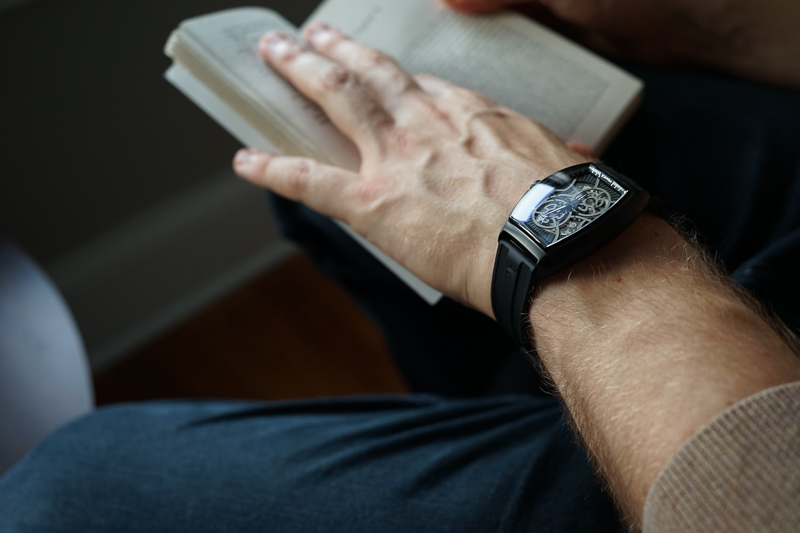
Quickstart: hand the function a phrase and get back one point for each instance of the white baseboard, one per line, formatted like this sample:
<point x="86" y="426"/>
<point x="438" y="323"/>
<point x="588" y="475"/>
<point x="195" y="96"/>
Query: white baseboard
<point x="136" y="281"/>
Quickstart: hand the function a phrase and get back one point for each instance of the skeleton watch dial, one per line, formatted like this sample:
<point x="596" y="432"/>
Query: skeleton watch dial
<point x="563" y="204"/>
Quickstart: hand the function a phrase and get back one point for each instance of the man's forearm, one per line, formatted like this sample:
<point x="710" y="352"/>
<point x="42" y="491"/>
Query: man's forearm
<point x="646" y="343"/>
<point x="643" y="342"/>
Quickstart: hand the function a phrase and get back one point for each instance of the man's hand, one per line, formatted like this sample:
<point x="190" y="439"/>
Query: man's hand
<point x="756" y="39"/>
<point x="643" y="339"/>
<point x="442" y="167"/>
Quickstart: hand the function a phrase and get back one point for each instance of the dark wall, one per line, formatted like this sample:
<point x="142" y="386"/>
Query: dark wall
<point x="90" y="132"/>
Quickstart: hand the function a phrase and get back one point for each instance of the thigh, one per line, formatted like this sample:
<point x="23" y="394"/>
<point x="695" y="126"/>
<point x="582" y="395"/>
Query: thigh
<point x="364" y="464"/>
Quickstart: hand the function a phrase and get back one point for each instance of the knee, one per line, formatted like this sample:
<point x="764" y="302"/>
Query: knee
<point x="61" y="483"/>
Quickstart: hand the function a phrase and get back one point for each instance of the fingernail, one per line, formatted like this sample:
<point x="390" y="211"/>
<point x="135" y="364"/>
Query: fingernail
<point x="276" y="44"/>
<point x="320" y="35"/>
<point x="245" y="159"/>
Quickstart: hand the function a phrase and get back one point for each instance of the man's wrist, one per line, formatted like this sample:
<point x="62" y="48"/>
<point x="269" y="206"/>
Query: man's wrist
<point x="646" y="341"/>
<point x="635" y="249"/>
<point x="559" y="221"/>
<point x="650" y="241"/>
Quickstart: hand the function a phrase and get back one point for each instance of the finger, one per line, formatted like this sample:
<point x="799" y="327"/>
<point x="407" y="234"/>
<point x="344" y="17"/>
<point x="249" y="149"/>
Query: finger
<point x="482" y="6"/>
<point x="431" y="84"/>
<point x="582" y="149"/>
<point x="438" y="87"/>
<point x="375" y="70"/>
<point x="349" y="105"/>
<point x="321" y="187"/>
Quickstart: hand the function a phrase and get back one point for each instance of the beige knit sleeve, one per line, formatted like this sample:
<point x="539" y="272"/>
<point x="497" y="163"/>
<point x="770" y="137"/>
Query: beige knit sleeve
<point x="739" y="473"/>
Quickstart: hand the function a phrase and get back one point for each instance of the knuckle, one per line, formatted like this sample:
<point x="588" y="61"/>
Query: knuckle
<point x="402" y="82"/>
<point x="482" y="99"/>
<point x="367" y="193"/>
<point x="298" y="175"/>
<point x="334" y="79"/>
<point x="375" y="66"/>
<point x="370" y="199"/>
<point x="493" y="121"/>
<point x="263" y="166"/>
<point x="290" y="53"/>
<point x="473" y="97"/>
<point x="429" y="83"/>
<point x="376" y="117"/>
<point x="332" y="41"/>
<point x="425" y="77"/>
<point x="371" y="59"/>
<point x="389" y="82"/>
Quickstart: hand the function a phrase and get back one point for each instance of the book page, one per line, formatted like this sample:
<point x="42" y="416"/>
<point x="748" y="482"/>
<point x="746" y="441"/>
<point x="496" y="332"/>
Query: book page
<point x="519" y="63"/>
<point x="205" y="99"/>
<point x="228" y="42"/>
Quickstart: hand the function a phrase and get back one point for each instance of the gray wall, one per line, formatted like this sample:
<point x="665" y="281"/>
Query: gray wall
<point x="91" y="133"/>
<point x="104" y="162"/>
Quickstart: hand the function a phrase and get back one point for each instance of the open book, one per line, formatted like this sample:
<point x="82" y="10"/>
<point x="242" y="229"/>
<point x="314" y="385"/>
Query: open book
<point x="506" y="56"/>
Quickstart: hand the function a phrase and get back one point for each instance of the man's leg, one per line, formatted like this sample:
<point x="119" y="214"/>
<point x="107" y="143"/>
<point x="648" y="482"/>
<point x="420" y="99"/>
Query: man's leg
<point x="383" y="464"/>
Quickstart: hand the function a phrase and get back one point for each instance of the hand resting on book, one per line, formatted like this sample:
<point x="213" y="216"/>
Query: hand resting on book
<point x="442" y="167"/>
<point x="644" y="340"/>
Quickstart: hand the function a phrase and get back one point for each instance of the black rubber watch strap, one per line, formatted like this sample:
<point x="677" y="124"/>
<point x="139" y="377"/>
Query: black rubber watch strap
<point x="512" y="284"/>
<point x="532" y="247"/>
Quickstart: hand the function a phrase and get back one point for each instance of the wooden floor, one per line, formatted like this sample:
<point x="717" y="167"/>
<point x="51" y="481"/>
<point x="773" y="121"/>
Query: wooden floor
<point x="289" y="334"/>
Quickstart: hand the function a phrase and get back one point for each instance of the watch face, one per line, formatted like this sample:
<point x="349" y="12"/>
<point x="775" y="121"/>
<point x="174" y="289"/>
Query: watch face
<point x="563" y="204"/>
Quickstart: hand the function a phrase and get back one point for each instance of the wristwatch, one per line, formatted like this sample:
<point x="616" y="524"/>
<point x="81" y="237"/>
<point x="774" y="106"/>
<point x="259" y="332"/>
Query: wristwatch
<point x="560" y="220"/>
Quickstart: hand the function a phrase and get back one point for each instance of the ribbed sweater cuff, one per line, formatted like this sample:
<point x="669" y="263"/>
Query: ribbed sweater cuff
<point x="738" y="473"/>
